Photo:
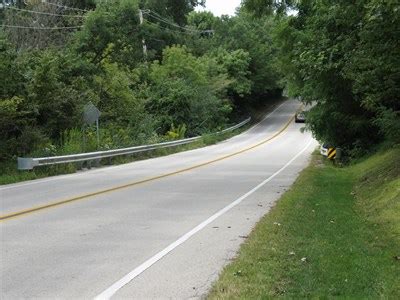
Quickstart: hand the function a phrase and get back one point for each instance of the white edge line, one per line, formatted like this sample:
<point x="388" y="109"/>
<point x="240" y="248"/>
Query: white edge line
<point x="59" y="177"/>
<point x="109" y="292"/>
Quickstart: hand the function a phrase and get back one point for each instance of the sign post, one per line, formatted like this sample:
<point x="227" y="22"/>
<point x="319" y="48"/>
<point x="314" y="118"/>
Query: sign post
<point x="331" y="153"/>
<point x="91" y="115"/>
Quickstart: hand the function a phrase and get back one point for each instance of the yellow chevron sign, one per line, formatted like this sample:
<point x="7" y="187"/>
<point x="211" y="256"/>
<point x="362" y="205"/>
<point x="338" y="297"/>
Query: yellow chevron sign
<point x="331" y="153"/>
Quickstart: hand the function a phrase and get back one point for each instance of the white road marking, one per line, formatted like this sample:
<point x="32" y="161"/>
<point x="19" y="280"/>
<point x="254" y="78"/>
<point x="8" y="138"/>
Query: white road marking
<point x="109" y="292"/>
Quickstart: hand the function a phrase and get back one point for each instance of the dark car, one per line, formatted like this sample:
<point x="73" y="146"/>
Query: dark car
<point x="300" y="117"/>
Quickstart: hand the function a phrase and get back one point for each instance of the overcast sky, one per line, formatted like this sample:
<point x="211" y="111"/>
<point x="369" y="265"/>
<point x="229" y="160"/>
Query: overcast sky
<point x="221" y="7"/>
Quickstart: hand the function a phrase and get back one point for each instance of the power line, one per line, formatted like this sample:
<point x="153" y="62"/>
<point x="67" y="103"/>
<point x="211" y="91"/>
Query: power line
<point x="167" y="29"/>
<point x="169" y="23"/>
<point x="161" y="19"/>
<point x="44" y="13"/>
<point x="173" y="24"/>
<point x="64" y="6"/>
<point x="157" y="40"/>
<point x="41" y="28"/>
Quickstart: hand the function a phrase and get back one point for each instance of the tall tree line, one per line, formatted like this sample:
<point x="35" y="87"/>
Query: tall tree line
<point x="199" y="73"/>
<point x="344" y="56"/>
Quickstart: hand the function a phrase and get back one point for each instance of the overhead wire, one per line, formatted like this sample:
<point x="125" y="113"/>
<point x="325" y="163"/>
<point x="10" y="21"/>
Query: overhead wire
<point x="40" y="28"/>
<point x="157" y="17"/>
<point x="149" y="13"/>
<point x="169" y="23"/>
<point x="154" y="39"/>
<point x="162" y="19"/>
<point x="64" y="6"/>
<point x="167" y="29"/>
<point x="44" y="13"/>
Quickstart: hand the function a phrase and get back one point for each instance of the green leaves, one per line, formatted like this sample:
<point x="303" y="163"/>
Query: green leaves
<point x="181" y="94"/>
<point x="236" y="65"/>
<point x="193" y="87"/>
<point x="344" y="56"/>
<point x="113" y="25"/>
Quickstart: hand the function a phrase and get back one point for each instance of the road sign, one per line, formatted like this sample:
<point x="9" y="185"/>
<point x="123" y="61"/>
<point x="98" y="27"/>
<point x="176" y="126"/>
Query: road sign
<point x="91" y="114"/>
<point x="331" y="153"/>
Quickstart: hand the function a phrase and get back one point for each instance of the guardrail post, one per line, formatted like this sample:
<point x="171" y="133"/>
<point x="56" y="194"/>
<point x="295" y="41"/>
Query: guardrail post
<point x="338" y="157"/>
<point x="97" y="162"/>
<point x="338" y="153"/>
<point x="26" y="163"/>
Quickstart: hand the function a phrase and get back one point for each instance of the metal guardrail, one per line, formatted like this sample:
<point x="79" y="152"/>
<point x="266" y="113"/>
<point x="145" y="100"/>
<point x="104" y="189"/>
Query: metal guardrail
<point x="30" y="163"/>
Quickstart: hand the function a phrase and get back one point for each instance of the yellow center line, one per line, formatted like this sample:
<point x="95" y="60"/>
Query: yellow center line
<point x="13" y="215"/>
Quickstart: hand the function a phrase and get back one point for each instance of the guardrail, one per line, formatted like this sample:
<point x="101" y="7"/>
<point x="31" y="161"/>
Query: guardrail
<point x="30" y="163"/>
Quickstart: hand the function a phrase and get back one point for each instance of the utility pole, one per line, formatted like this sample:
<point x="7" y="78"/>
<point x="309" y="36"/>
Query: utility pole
<point x="143" y="40"/>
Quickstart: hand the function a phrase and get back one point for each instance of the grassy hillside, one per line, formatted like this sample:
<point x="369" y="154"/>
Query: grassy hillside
<point x="335" y="233"/>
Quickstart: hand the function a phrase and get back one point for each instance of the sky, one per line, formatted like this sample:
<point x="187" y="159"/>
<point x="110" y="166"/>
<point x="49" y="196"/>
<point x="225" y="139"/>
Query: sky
<point x="221" y="7"/>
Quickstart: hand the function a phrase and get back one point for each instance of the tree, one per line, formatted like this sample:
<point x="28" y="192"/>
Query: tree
<point x="203" y="20"/>
<point x="236" y="65"/>
<point x="181" y="93"/>
<point x="112" y="31"/>
<point x="374" y="67"/>
<point x="268" y="7"/>
<point x="40" y="24"/>
<point x="253" y="36"/>
<point x="82" y="4"/>
<point x="177" y="10"/>
<point x="332" y="54"/>
<point x="17" y="115"/>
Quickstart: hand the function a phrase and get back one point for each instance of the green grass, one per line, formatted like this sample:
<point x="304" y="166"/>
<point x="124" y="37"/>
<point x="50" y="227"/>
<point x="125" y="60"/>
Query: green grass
<point x="345" y="225"/>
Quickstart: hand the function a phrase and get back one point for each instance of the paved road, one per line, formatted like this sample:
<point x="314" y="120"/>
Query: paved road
<point x="158" y="228"/>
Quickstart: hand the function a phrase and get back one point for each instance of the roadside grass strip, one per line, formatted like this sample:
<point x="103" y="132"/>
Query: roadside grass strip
<point x="336" y="233"/>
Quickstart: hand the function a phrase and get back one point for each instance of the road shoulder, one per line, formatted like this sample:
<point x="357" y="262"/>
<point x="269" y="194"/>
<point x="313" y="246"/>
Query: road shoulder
<point x="333" y="234"/>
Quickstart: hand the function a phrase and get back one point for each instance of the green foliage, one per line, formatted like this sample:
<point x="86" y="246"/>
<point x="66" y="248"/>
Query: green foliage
<point x="112" y="31"/>
<point x="17" y="115"/>
<point x="82" y="4"/>
<point x="268" y="7"/>
<point x="176" y="133"/>
<point x="116" y="101"/>
<point x="76" y="141"/>
<point x="56" y="99"/>
<point x="180" y="93"/>
<point x="236" y="65"/>
<point x="17" y="136"/>
<point x="242" y="45"/>
<point x="195" y="86"/>
<point x="388" y="122"/>
<point x="11" y="73"/>
<point x="203" y="20"/>
<point x="177" y="10"/>
<point x="333" y="55"/>
<point x="245" y="33"/>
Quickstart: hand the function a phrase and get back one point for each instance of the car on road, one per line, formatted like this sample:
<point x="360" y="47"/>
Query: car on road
<point x="300" y="117"/>
<point x="325" y="148"/>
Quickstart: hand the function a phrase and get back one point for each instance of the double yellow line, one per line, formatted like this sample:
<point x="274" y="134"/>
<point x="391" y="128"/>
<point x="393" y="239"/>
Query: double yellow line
<point x="20" y="213"/>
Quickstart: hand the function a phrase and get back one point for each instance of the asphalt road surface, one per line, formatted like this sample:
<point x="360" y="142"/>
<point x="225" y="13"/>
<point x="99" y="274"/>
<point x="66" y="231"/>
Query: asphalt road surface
<point x="159" y="228"/>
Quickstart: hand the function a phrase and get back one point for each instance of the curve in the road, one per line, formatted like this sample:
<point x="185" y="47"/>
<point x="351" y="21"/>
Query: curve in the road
<point x="21" y="213"/>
